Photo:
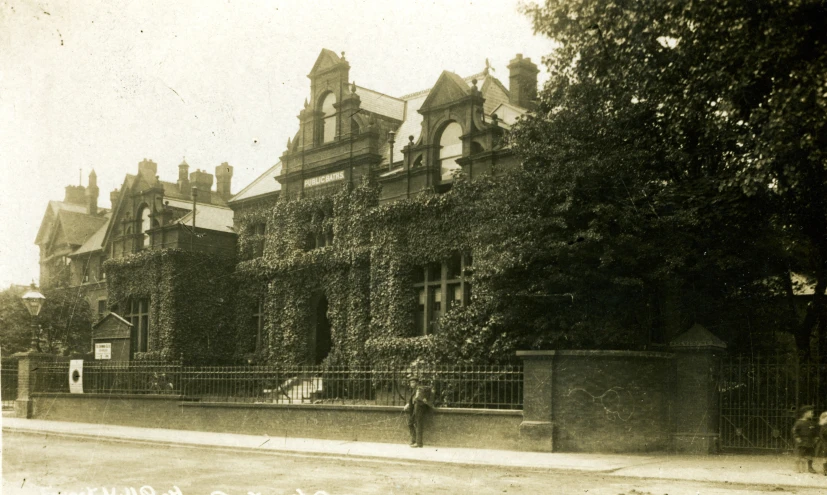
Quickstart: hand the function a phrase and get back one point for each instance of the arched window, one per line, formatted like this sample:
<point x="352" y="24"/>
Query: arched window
<point x="450" y="148"/>
<point x="328" y="127"/>
<point x="146" y="224"/>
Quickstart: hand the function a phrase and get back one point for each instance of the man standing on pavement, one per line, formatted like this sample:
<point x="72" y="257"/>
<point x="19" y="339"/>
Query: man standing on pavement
<point x="419" y="401"/>
<point x="805" y="432"/>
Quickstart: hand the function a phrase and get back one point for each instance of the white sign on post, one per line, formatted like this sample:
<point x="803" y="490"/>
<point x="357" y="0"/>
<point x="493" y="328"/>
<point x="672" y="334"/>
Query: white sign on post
<point x="103" y="351"/>
<point x="76" y="376"/>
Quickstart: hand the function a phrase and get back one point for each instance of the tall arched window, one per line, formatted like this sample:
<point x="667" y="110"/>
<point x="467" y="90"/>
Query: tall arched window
<point x="146" y="224"/>
<point x="450" y="148"/>
<point x="328" y="127"/>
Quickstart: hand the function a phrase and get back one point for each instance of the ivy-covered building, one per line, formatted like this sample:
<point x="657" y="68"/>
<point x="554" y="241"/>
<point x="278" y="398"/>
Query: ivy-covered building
<point x="161" y="258"/>
<point x="354" y="248"/>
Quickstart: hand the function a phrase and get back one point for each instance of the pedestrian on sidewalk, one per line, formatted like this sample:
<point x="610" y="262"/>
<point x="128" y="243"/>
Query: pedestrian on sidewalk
<point x="805" y="433"/>
<point x="821" y="442"/>
<point x="419" y="401"/>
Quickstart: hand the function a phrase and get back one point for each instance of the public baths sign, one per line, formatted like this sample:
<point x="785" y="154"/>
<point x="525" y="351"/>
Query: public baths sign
<point x="324" y="179"/>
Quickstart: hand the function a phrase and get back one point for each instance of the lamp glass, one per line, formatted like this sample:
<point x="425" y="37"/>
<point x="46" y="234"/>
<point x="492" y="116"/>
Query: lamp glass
<point x="33" y="301"/>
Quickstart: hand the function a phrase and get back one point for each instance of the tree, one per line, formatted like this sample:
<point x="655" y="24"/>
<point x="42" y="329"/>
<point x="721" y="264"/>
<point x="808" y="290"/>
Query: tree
<point x="64" y="325"/>
<point x="15" y="322"/>
<point x="647" y="200"/>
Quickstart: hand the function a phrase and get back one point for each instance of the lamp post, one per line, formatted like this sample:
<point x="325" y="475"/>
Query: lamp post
<point x="34" y="303"/>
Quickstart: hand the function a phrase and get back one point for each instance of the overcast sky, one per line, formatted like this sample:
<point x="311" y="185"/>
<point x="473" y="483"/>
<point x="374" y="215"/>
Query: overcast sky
<point x="103" y="85"/>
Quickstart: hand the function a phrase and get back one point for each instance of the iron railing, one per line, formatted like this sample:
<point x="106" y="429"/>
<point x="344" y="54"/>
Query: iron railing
<point x="488" y="387"/>
<point x="8" y="382"/>
<point x="760" y="397"/>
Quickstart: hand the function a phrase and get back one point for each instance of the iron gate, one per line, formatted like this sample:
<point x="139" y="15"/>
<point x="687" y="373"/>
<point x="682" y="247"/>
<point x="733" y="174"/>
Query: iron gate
<point x="759" y="397"/>
<point x="8" y="382"/>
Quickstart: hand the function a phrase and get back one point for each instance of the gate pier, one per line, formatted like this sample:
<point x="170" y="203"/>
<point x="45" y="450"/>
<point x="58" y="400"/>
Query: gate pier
<point x="697" y="362"/>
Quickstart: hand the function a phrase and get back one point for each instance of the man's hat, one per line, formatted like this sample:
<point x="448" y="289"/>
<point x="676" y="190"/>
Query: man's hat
<point x="413" y="377"/>
<point x="804" y="409"/>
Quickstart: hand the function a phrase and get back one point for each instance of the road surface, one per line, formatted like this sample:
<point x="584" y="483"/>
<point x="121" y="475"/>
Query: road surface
<point x="41" y="464"/>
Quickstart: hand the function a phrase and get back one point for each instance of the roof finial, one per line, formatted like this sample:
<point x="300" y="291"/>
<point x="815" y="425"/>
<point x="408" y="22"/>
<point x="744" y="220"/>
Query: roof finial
<point x="343" y="55"/>
<point x="488" y="67"/>
<point x="353" y="87"/>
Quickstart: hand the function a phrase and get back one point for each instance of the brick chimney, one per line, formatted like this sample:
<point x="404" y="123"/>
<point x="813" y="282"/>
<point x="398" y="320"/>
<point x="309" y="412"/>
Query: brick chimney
<point x="75" y="195"/>
<point x="148" y="170"/>
<point x="92" y="192"/>
<point x="522" y="82"/>
<point x="203" y="181"/>
<point x="183" y="180"/>
<point x="223" y="180"/>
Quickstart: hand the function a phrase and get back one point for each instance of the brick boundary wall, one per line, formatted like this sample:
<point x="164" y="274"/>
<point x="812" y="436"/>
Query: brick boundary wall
<point x="471" y="428"/>
<point x="573" y="401"/>
<point x="598" y="401"/>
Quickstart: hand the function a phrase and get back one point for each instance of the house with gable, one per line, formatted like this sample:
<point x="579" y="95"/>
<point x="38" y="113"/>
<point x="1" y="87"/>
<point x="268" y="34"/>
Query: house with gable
<point x="67" y="228"/>
<point x="322" y="280"/>
<point x="128" y="259"/>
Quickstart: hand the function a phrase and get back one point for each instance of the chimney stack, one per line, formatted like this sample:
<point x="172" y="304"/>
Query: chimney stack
<point x="75" y="195"/>
<point x="148" y="170"/>
<point x="223" y="180"/>
<point x="183" y="180"/>
<point x="203" y="181"/>
<point x="92" y="192"/>
<point x="522" y="82"/>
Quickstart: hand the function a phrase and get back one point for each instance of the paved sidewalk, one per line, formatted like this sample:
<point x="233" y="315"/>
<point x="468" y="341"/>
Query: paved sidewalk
<point x="751" y="470"/>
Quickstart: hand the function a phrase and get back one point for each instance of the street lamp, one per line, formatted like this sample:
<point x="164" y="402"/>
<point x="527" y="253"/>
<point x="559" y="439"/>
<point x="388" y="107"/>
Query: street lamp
<point x="34" y="303"/>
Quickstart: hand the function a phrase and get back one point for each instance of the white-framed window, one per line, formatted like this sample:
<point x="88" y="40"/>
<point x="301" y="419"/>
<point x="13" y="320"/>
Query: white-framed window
<point x="327" y="129"/>
<point x="450" y="148"/>
<point x="260" y="231"/>
<point x="440" y="287"/>
<point x="138" y="315"/>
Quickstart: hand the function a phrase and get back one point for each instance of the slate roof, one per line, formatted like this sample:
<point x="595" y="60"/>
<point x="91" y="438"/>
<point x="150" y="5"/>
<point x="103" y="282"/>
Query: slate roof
<point x="78" y="227"/>
<point x="95" y="241"/>
<point x="266" y="183"/>
<point x="53" y="208"/>
<point x="211" y="217"/>
<point x="381" y="104"/>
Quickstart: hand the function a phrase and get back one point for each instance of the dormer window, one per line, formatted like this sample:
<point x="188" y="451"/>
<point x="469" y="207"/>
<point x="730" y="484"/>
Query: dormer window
<point x="450" y="148"/>
<point x="327" y="129"/>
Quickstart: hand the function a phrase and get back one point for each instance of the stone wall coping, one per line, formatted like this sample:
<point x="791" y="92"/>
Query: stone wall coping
<point x="36" y="355"/>
<point x="66" y="395"/>
<point x="349" y="407"/>
<point x="633" y="354"/>
<point x="196" y="402"/>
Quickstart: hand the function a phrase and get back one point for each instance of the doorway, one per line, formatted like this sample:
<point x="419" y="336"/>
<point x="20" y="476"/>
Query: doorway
<point x="322" y="338"/>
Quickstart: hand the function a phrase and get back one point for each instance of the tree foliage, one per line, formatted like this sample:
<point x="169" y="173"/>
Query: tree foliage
<point x="664" y="169"/>
<point x="63" y="327"/>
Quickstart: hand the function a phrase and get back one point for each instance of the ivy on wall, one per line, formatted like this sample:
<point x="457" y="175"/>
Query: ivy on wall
<point x="191" y="298"/>
<point x="366" y="275"/>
